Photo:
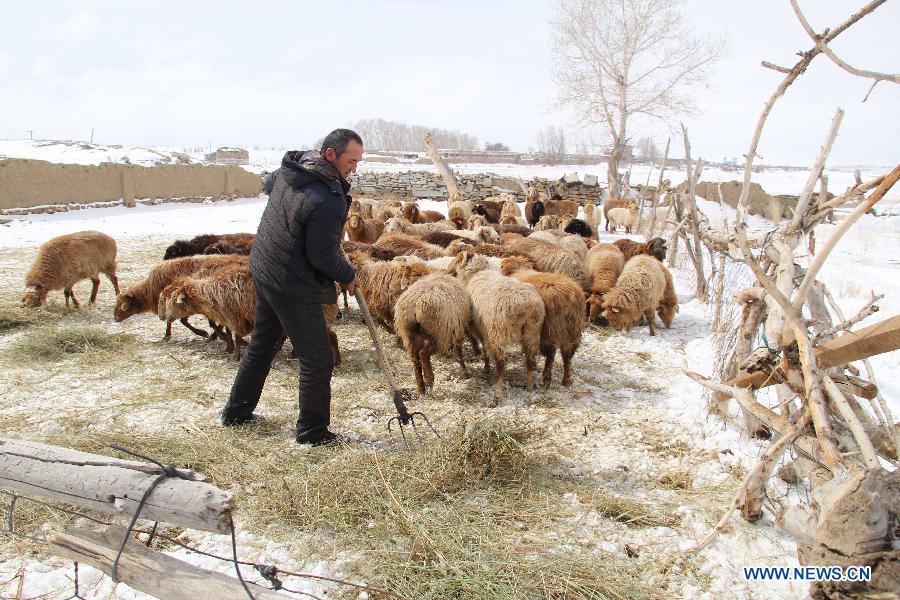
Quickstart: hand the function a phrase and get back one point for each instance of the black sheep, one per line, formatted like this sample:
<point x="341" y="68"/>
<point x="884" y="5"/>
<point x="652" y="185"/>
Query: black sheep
<point x="195" y="245"/>
<point x="490" y="215"/>
<point x="580" y="227"/>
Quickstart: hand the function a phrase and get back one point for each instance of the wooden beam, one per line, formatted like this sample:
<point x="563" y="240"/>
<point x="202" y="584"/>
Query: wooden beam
<point x="112" y="485"/>
<point x="148" y="571"/>
<point x="443" y="169"/>
<point x="879" y="338"/>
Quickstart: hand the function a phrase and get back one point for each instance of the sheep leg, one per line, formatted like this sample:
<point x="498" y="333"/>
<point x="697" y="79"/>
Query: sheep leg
<point x="229" y="344"/>
<point x="567" y="355"/>
<point x="218" y="331"/>
<point x="114" y="281"/>
<point x="200" y="332"/>
<point x="501" y="377"/>
<point x="476" y="350"/>
<point x="415" y="358"/>
<point x="70" y="293"/>
<point x="458" y="349"/>
<point x="238" y="344"/>
<point x="649" y="315"/>
<point x="334" y="347"/>
<point x="549" y="353"/>
<point x="346" y="306"/>
<point x="425" y="352"/>
<point x="168" y="334"/>
<point x="95" y="287"/>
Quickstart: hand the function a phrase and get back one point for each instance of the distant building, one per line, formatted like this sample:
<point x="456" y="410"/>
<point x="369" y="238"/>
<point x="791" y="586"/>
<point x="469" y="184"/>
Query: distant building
<point x="480" y="156"/>
<point x="228" y="156"/>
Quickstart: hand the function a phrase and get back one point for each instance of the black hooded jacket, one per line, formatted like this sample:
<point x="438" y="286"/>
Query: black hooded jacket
<point x="296" y="250"/>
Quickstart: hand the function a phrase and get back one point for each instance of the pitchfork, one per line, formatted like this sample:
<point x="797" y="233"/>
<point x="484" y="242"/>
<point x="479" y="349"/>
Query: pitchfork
<point x="404" y="417"/>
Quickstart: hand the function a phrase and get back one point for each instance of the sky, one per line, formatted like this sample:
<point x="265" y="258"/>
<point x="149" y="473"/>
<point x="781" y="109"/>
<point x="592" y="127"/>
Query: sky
<point x="281" y="74"/>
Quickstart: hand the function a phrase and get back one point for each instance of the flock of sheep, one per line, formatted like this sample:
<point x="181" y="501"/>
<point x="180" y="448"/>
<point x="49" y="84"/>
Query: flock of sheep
<point x="488" y="272"/>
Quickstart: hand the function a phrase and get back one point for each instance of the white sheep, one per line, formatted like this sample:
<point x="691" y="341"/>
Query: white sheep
<point x="432" y="315"/>
<point x="638" y="293"/>
<point x="626" y="217"/>
<point x="505" y="311"/>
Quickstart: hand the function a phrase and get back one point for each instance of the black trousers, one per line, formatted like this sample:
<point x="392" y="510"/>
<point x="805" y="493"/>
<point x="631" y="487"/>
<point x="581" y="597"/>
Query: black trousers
<point x="305" y="326"/>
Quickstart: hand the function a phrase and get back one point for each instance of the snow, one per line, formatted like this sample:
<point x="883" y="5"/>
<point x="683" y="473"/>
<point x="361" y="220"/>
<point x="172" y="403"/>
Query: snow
<point x="866" y="259"/>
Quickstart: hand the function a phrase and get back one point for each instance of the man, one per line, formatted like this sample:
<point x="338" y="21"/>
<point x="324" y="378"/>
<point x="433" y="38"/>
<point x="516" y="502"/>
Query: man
<point x="295" y="261"/>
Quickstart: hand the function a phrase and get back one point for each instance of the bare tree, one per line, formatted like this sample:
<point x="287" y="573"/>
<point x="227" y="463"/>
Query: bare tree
<point x="380" y="134"/>
<point x="648" y="148"/>
<point x="551" y="142"/>
<point x="620" y="59"/>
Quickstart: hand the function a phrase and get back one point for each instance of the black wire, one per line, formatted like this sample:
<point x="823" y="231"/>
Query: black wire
<point x="237" y="567"/>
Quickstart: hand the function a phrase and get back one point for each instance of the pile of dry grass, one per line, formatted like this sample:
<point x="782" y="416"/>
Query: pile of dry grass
<point x="52" y="344"/>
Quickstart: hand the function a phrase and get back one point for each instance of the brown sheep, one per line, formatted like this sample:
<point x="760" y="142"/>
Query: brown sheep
<point x="144" y="296"/>
<point x="225" y="296"/>
<point x="362" y="230"/>
<point x="562" y="208"/>
<point x="551" y="258"/>
<point x="372" y="251"/>
<point x="383" y="282"/>
<point x="408" y="244"/>
<point x="443" y="238"/>
<point x="432" y="315"/>
<point x="232" y="243"/>
<point x="603" y="265"/>
<point x="505" y="311"/>
<point x="668" y="306"/>
<point x="494" y="250"/>
<point x="655" y="247"/>
<point x="63" y="261"/>
<point x="563" y="322"/>
<point x="412" y="214"/>
<point x="637" y="294"/>
<point x="522" y="230"/>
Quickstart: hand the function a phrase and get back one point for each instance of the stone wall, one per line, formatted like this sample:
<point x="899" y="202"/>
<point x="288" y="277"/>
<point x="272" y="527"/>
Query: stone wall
<point x="424" y="184"/>
<point x="28" y="183"/>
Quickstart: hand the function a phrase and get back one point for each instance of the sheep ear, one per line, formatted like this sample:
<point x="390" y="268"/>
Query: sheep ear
<point x="616" y="309"/>
<point x="180" y="298"/>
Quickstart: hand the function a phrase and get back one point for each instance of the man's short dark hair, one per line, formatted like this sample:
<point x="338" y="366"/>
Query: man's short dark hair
<point x="338" y="139"/>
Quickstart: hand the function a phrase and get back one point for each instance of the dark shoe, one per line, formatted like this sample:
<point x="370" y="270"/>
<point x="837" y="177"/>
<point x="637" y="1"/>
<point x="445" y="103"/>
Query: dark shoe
<point x="326" y="439"/>
<point x="238" y="421"/>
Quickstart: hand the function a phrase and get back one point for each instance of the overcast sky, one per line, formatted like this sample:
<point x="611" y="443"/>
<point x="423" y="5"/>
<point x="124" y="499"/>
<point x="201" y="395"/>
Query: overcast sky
<point x="283" y="74"/>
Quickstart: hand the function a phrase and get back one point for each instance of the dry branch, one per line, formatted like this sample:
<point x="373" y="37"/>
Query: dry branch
<point x="111" y="485"/>
<point x="856" y="428"/>
<point x="443" y="169"/>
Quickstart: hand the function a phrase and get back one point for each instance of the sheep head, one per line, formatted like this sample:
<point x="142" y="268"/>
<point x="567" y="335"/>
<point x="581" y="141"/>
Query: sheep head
<point x="457" y="246"/>
<point x="618" y="317"/>
<point x="34" y="296"/>
<point x="476" y="221"/>
<point x="393" y="225"/>
<point x="488" y="235"/>
<point x="658" y="248"/>
<point x="595" y="306"/>
<point x="126" y="306"/>
<point x="367" y="211"/>
<point x="411" y="212"/>
<point x="466" y="264"/>
<point x="355" y="221"/>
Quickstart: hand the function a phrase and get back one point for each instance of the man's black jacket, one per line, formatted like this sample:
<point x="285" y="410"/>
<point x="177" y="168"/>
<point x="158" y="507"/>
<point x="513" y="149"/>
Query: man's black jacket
<point x="296" y="250"/>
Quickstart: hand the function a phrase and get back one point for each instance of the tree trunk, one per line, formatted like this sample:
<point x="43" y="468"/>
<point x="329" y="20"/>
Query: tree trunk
<point x="443" y="169"/>
<point x="111" y="485"/>
<point x="149" y="571"/>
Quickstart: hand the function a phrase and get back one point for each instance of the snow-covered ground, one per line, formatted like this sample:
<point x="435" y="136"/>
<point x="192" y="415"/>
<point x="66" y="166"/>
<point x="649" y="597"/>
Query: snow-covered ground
<point x="659" y="396"/>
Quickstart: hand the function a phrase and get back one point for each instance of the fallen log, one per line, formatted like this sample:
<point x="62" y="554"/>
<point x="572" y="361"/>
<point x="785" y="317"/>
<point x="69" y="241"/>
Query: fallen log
<point x="149" y="571"/>
<point x="111" y="485"/>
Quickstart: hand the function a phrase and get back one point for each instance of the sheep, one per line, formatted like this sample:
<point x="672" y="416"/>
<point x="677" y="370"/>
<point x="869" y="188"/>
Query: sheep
<point x="563" y="322"/>
<point x="637" y="293"/>
<point x="562" y="208"/>
<point x="580" y="227"/>
<point x="483" y="234"/>
<point x="547" y="222"/>
<point x="655" y="247"/>
<point x="551" y="258"/>
<point x="397" y="225"/>
<point x="225" y="296"/>
<point x="603" y="265"/>
<point x="369" y="249"/>
<point x="386" y="209"/>
<point x="511" y="208"/>
<point x="548" y="236"/>
<point x="592" y="215"/>
<point x="63" y="261"/>
<point x="383" y="282"/>
<point x="232" y="243"/>
<point x="477" y="221"/>
<point x="490" y="215"/>
<point x="575" y="244"/>
<point x="611" y="204"/>
<point x="459" y="213"/>
<point x="626" y="217"/>
<point x="364" y="230"/>
<point x="521" y="229"/>
<point x="144" y="296"/>
<point x="493" y="203"/>
<point x="432" y="315"/>
<point x="668" y="306"/>
<point x="408" y="244"/>
<point x="492" y="250"/>
<point x="195" y="245"/>
<point x="443" y="238"/>
<point x="534" y="210"/>
<point x="411" y="213"/>
<point x="504" y="311"/>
